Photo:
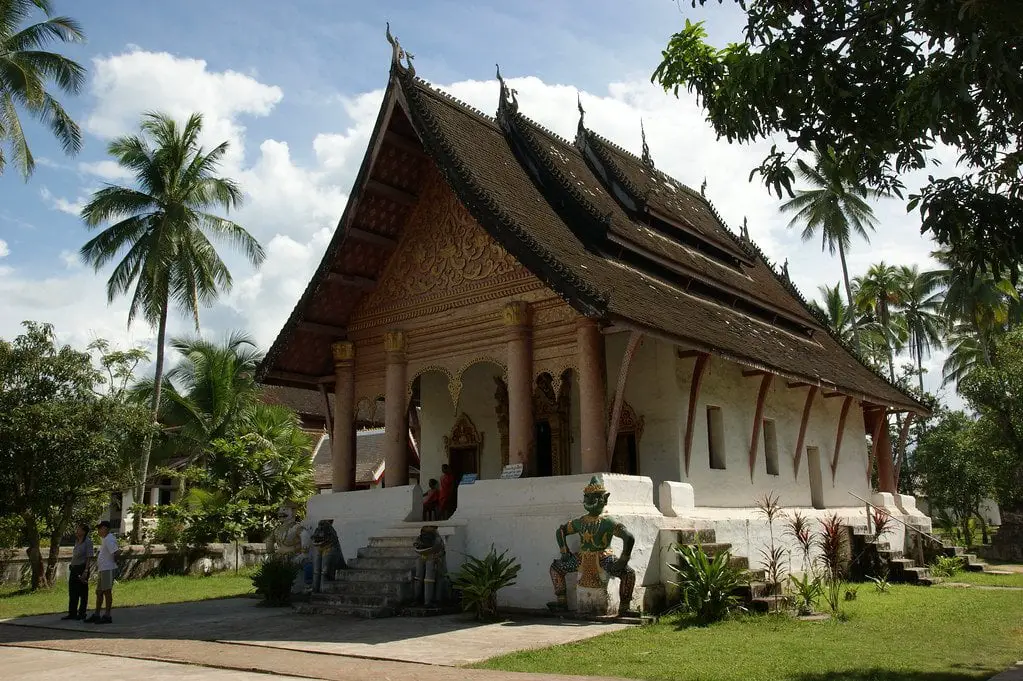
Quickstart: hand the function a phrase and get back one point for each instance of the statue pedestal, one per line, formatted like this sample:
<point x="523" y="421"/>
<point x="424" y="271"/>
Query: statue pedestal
<point x="593" y="601"/>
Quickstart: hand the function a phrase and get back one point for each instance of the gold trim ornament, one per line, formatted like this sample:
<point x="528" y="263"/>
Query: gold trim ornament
<point x="394" y="341"/>
<point x="596" y="486"/>
<point x="343" y="351"/>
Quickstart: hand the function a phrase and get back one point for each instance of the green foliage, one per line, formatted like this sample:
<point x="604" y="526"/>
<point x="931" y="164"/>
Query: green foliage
<point x="807" y="591"/>
<point x="165" y="231"/>
<point x="479" y="580"/>
<point x="946" y="566"/>
<point x="707" y="586"/>
<point x="881" y="583"/>
<point x="274" y="578"/>
<point x="62" y="438"/>
<point x="832" y="543"/>
<point x="877" y="85"/>
<point x="26" y="71"/>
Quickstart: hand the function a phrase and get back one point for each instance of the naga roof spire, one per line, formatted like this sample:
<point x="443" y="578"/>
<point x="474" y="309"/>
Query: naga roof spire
<point x="398" y="53"/>
<point x="582" y="111"/>
<point x="508" y="103"/>
<point x="648" y="160"/>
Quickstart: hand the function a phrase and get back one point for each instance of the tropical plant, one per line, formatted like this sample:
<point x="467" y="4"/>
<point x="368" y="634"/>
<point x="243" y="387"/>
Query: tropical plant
<point x="164" y="226"/>
<point x="946" y="566"/>
<point x="882" y="522"/>
<point x="834" y="208"/>
<point x="707" y="586"/>
<point x="832" y="544"/>
<point x="26" y="70"/>
<point x="921" y="313"/>
<point x="879" y="294"/>
<point x="273" y="579"/>
<point x="836" y="312"/>
<point x="881" y="583"/>
<point x="773" y="556"/>
<point x="807" y="590"/>
<point x="480" y="579"/>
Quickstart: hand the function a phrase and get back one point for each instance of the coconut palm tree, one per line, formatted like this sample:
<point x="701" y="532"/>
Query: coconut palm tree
<point x="26" y="70"/>
<point x="967" y="351"/>
<point x="835" y="311"/>
<point x="921" y="312"/>
<point x="879" y="294"/>
<point x="164" y="227"/>
<point x="835" y="209"/>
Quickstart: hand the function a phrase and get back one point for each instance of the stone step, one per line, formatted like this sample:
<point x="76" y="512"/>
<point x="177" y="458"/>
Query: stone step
<point x="371" y="611"/>
<point x="381" y="542"/>
<point x="359" y="600"/>
<point x="776" y="603"/>
<point x="379" y="589"/>
<point x="976" y="566"/>
<point x="739" y="562"/>
<point x="387" y="552"/>
<point x="383" y="563"/>
<point x="695" y="537"/>
<point x="355" y="575"/>
<point x="755" y="589"/>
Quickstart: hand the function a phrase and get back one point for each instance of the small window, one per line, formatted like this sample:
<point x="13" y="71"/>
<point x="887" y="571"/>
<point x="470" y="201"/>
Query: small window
<point x="716" y="437"/>
<point x="813" y="460"/>
<point x="770" y="447"/>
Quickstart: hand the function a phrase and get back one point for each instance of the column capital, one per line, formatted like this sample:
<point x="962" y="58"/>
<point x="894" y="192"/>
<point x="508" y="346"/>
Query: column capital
<point x="585" y="322"/>
<point x="394" y="341"/>
<point x="342" y="351"/>
<point x="516" y="313"/>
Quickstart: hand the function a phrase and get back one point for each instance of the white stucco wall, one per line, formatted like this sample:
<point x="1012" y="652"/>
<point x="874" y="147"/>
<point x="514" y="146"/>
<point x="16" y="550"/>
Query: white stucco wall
<point x="362" y="514"/>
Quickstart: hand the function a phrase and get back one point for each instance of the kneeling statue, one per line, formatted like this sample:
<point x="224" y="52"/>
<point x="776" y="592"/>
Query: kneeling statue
<point x="327" y="557"/>
<point x="595" y="533"/>
<point x="286" y="541"/>
<point x="431" y="565"/>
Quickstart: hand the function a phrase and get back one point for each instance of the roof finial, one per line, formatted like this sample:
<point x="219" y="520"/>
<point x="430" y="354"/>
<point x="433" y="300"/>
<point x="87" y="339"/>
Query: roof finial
<point x="785" y="270"/>
<point x="648" y="160"/>
<point x="744" y="230"/>
<point x="398" y="53"/>
<point x="508" y="102"/>
<point x="582" y="111"/>
<point x="703" y="187"/>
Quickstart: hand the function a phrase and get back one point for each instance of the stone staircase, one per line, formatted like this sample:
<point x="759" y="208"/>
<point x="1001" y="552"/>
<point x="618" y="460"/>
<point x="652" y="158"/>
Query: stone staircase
<point x="757" y="594"/>
<point x="871" y="557"/>
<point x="377" y="582"/>
<point x="971" y="563"/>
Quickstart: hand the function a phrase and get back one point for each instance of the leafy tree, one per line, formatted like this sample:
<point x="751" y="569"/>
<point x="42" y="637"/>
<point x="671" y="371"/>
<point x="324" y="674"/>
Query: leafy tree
<point x="921" y="312"/>
<point x="836" y="209"/>
<point x="838" y="314"/>
<point x="60" y="440"/>
<point x="879" y="293"/>
<point x="26" y="70"/>
<point x="164" y="227"/>
<point x="956" y="471"/>
<point x="880" y="83"/>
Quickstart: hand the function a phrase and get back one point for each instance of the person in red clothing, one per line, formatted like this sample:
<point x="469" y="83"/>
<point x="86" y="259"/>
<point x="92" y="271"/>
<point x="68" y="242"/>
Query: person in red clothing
<point x="431" y="501"/>
<point x="447" y="492"/>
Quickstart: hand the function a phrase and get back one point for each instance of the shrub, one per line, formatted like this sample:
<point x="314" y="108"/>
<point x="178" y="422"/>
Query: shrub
<point x="168" y="530"/>
<point x="273" y="579"/>
<point x="773" y="556"/>
<point x="946" y="566"/>
<point x="807" y="591"/>
<point x="480" y="579"/>
<point x="881" y="584"/>
<point x="707" y="587"/>
<point x="832" y="543"/>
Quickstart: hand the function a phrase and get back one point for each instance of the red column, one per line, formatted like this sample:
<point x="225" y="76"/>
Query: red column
<point x="592" y="397"/>
<point x="520" y="383"/>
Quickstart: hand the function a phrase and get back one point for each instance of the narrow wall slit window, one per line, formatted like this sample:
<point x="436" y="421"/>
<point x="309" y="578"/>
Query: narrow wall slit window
<point x="813" y="462"/>
<point x="770" y="447"/>
<point x="716" y="437"/>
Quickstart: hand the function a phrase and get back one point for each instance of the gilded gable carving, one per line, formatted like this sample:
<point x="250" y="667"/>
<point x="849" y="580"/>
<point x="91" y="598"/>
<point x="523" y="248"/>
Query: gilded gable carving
<point x="442" y="252"/>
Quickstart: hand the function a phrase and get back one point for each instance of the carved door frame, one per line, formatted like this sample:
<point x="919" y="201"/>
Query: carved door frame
<point x="464" y="435"/>
<point x="555" y="409"/>
<point x="628" y="423"/>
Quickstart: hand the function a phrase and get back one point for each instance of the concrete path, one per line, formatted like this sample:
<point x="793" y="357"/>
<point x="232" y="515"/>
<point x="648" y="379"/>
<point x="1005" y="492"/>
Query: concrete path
<point x="234" y="634"/>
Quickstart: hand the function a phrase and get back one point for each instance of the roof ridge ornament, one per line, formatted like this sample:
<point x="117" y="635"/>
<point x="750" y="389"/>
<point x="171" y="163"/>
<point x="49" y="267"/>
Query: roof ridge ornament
<point x="582" y="111"/>
<point x="703" y="187"/>
<point x="508" y="102"/>
<point x="648" y="160"/>
<point x="398" y="53"/>
<point x="744" y="230"/>
<point x="785" y="270"/>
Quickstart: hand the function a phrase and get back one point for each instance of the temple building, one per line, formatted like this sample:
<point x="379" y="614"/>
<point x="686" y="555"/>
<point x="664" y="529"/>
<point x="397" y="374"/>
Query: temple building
<point x="518" y="301"/>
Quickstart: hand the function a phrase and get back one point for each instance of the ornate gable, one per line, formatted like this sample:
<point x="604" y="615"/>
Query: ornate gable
<point x="443" y="259"/>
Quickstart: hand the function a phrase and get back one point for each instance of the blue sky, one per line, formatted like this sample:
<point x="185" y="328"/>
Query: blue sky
<point x="295" y="87"/>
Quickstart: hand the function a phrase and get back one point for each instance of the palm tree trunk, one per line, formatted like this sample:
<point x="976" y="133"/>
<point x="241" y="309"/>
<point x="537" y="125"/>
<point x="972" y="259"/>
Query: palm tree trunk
<point x="920" y="366"/>
<point x="140" y="485"/>
<point x="849" y="297"/>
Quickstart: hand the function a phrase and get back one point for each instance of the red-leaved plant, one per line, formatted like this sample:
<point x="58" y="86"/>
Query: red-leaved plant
<point x="832" y="542"/>
<point x="798" y="527"/>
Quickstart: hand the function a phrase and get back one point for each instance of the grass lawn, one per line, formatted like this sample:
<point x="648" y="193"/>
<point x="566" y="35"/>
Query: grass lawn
<point x="150" y="591"/>
<point x="909" y="634"/>
<point x="1015" y="579"/>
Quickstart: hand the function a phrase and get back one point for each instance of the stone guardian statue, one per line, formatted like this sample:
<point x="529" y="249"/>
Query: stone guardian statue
<point x="594" y="562"/>
<point x="326" y="554"/>
<point x="431" y="566"/>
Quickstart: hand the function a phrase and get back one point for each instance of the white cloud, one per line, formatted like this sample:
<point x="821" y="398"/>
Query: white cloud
<point x="106" y="170"/>
<point x="293" y="207"/>
<point x="5" y="250"/>
<point x="62" y="204"/>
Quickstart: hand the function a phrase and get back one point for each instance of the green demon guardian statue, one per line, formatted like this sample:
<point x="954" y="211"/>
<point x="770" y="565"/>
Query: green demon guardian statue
<point x="595" y="533"/>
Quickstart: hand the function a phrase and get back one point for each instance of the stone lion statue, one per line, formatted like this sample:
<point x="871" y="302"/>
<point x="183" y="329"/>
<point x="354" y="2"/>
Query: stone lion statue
<point x="327" y="557"/>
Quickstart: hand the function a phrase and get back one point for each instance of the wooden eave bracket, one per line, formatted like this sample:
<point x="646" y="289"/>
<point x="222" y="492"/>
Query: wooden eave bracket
<point x="369" y="237"/>
<point x="390" y="192"/>
<point x="699" y="369"/>
<point x="841" y="432"/>
<point x="903" y="435"/>
<point x="881" y="421"/>
<point x="807" y="406"/>
<point x="754" y="446"/>
<point x="635" y="340"/>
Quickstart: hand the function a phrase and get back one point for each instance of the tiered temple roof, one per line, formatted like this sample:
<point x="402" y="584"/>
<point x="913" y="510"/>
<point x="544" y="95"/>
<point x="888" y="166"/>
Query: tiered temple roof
<point x="603" y="228"/>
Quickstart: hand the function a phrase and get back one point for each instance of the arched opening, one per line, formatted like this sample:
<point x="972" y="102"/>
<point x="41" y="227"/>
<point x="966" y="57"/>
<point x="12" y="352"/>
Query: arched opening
<point x="552" y="424"/>
<point x="625" y="458"/>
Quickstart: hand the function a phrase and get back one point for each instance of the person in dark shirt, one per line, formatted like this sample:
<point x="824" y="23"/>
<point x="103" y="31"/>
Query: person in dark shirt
<point x="78" y="574"/>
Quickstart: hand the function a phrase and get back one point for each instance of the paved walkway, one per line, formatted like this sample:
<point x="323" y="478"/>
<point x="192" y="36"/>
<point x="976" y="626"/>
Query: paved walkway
<point x="234" y="634"/>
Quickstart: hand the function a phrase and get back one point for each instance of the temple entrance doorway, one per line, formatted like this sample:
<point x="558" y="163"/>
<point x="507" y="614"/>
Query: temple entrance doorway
<point x="625" y="459"/>
<point x="552" y="427"/>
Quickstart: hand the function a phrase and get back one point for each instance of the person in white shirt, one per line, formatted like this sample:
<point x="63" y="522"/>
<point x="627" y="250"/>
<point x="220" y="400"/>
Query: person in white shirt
<point x="106" y="563"/>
